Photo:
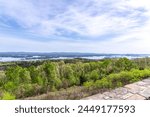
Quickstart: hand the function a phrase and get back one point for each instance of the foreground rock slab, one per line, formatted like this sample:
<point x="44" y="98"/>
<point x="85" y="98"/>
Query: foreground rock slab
<point x="135" y="91"/>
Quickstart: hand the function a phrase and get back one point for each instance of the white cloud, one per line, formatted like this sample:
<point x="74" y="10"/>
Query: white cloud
<point x="39" y="17"/>
<point x="129" y="20"/>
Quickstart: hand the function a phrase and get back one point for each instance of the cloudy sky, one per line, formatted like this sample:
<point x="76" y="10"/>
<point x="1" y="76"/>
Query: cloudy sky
<point x="99" y="26"/>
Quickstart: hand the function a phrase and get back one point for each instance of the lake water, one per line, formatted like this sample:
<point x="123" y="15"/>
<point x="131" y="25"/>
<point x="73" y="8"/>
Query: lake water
<point x="30" y="57"/>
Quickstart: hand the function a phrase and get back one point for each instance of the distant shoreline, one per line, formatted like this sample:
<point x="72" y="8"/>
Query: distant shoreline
<point x="29" y="56"/>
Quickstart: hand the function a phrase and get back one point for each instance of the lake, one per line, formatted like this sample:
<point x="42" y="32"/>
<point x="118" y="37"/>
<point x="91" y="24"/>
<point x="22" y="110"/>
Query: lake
<point x="29" y="56"/>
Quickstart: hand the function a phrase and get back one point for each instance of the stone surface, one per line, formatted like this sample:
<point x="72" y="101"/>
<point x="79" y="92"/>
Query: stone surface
<point x="136" y="97"/>
<point x="95" y="97"/>
<point x="136" y="91"/>
<point x="133" y="88"/>
<point x="124" y="97"/>
<point x="146" y="93"/>
<point x="120" y="91"/>
<point x="141" y="83"/>
<point x="147" y="81"/>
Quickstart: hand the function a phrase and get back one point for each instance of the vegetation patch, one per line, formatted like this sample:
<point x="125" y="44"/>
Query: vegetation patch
<point x="69" y="79"/>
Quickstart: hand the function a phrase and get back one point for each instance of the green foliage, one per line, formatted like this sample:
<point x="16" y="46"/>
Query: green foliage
<point x="10" y="86"/>
<point x="24" y="90"/>
<point x="33" y="79"/>
<point x="36" y="76"/>
<point x="142" y="63"/>
<point x="24" y="76"/>
<point x="88" y="84"/>
<point x="8" y="96"/>
<point x="145" y="73"/>
<point x="124" y="64"/>
<point x="53" y="81"/>
<point x="87" y="67"/>
<point x="68" y="76"/>
<point x="2" y="74"/>
<point x="122" y="78"/>
<point x="94" y="75"/>
<point x="2" y="82"/>
<point x="12" y="74"/>
<point x="103" y="83"/>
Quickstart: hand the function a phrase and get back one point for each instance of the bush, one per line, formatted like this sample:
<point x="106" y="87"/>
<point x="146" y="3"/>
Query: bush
<point x="24" y="76"/>
<point x="124" y="64"/>
<point x="10" y="86"/>
<point x="125" y="77"/>
<point x="88" y="84"/>
<point x="145" y="73"/>
<point x="12" y="74"/>
<point x="8" y="96"/>
<point x="122" y="78"/>
<point x="113" y="78"/>
<point x="25" y="90"/>
<point x="103" y="83"/>
<point x="119" y="84"/>
<point x="94" y="75"/>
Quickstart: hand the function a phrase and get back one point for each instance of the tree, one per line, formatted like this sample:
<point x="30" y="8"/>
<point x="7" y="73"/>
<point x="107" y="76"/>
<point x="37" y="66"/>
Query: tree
<point x="53" y="81"/>
<point x="13" y="74"/>
<point x="25" y="90"/>
<point x="10" y="86"/>
<point x="69" y="76"/>
<point x="24" y="76"/>
<point x="36" y="76"/>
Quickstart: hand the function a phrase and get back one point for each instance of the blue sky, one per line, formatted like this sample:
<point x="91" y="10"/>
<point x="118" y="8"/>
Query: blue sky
<point x="99" y="26"/>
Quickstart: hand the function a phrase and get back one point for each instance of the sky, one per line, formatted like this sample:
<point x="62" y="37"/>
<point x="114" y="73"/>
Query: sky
<point x="97" y="26"/>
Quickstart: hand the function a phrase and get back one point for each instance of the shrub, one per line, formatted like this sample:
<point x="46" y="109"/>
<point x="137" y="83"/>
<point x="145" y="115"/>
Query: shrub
<point x="10" y="86"/>
<point x="94" y="75"/>
<point x="125" y="77"/>
<point x="24" y="90"/>
<point x="103" y="83"/>
<point x="113" y="79"/>
<point x="24" y="76"/>
<point x="8" y="96"/>
<point x="119" y="84"/>
<point x="88" y="84"/>
<point x="145" y="73"/>
<point x="12" y="74"/>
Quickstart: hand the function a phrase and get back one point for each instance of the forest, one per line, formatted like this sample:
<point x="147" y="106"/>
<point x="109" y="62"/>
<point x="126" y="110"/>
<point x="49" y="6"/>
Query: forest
<point x="68" y="79"/>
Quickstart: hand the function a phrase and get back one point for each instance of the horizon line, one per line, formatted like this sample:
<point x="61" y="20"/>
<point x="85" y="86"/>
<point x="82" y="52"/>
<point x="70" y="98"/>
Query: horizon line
<point x="67" y="52"/>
